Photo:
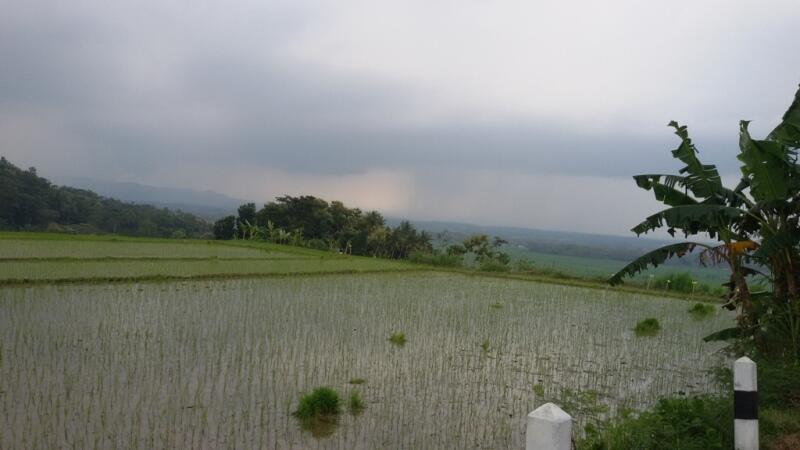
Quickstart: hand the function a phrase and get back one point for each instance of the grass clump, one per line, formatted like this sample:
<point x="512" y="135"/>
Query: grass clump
<point x="355" y="404"/>
<point x="398" y="339"/>
<point x="321" y="403"/>
<point x="485" y="345"/>
<point x="647" y="327"/>
<point x="701" y="310"/>
<point x="357" y="381"/>
<point x="694" y="423"/>
<point x="496" y="305"/>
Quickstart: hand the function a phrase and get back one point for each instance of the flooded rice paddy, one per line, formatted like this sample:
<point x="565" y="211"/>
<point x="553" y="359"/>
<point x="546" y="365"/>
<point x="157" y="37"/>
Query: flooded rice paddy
<point x="222" y="364"/>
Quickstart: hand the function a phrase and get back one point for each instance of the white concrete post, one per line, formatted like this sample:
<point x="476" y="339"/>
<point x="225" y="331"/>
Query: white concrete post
<point x="549" y="428"/>
<point x="745" y="405"/>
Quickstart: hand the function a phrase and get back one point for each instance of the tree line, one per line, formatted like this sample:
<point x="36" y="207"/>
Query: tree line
<point x="315" y="223"/>
<point x="29" y="202"/>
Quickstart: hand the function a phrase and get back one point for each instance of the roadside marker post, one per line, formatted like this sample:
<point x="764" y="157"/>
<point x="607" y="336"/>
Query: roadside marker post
<point x="549" y="428"/>
<point x="745" y="404"/>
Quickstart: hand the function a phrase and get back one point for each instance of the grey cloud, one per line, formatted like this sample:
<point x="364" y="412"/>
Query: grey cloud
<point x="283" y="116"/>
<point x="130" y="94"/>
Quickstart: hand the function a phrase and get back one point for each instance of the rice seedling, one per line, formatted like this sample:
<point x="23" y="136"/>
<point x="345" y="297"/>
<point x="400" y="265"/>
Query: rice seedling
<point x="701" y="310"/>
<point x="647" y="327"/>
<point x="355" y="404"/>
<point x="321" y="402"/>
<point x="398" y="339"/>
<point x="219" y="363"/>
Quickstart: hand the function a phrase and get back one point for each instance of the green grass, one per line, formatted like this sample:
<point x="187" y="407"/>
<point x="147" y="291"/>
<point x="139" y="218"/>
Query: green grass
<point x="705" y="421"/>
<point x="15" y="272"/>
<point x="321" y="402"/>
<point x="701" y="311"/>
<point x="398" y="339"/>
<point x="696" y="423"/>
<point x="57" y="241"/>
<point x="21" y="249"/>
<point x="42" y="258"/>
<point x="647" y="327"/>
<point x="51" y="258"/>
<point x="318" y="411"/>
<point x="355" y="404"/>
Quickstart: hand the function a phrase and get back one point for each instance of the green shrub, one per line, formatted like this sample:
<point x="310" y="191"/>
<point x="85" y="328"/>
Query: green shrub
<point x="647" y="327"/>
<point x="776" y="425"/>
<point x="778" y="383"/>
<point x="701" y="310"/>
<point x="317" y="244"/>
<point x="398" y="339"/>
<point x="436" y="259"/>
<point x="523" y="265"/>
<point x="178" y="234"/>
<point x="694" y="423"/>
<point x="322" y="402"/>
<point x="492" y="265"/>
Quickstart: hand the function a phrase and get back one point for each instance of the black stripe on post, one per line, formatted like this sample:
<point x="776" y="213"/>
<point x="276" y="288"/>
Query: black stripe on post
<point x="745" y="405"/>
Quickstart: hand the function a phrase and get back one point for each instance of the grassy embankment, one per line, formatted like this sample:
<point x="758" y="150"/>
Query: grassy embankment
<point x="42" y="258"/>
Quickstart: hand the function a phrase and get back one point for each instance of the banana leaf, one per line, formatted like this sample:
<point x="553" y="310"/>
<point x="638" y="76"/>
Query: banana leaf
<point x="691" y="219"/>
<point x="653" y="258"/>
<point x="768" y="165"/>
<point x="702" y="179"/>
<point x="788" y="131"/>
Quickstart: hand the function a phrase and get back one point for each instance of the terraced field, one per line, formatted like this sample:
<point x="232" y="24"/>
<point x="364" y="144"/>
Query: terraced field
<point x="221" y="363"/>
<point x="54" y="258"/>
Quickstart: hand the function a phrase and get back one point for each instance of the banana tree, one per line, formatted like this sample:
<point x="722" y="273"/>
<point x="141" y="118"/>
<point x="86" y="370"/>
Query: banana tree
<point x="755" y="224"/>
<point x="250" y="231"/>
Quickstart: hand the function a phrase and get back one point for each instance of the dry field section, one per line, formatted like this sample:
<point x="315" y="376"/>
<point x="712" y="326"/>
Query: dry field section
<point x="221" y="363"/>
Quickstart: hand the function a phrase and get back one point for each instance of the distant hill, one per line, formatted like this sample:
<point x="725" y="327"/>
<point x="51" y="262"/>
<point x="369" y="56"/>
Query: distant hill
<point x="30" y="202"/>
<point x="551" y="242"/>
<point x="206" y="204"/>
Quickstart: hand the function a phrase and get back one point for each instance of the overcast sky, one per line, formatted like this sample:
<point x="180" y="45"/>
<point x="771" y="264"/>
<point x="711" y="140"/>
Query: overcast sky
<point x="525" y="113"/>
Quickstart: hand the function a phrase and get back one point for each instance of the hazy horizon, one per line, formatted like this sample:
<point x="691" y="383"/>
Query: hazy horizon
<point x="521" y="114"/>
